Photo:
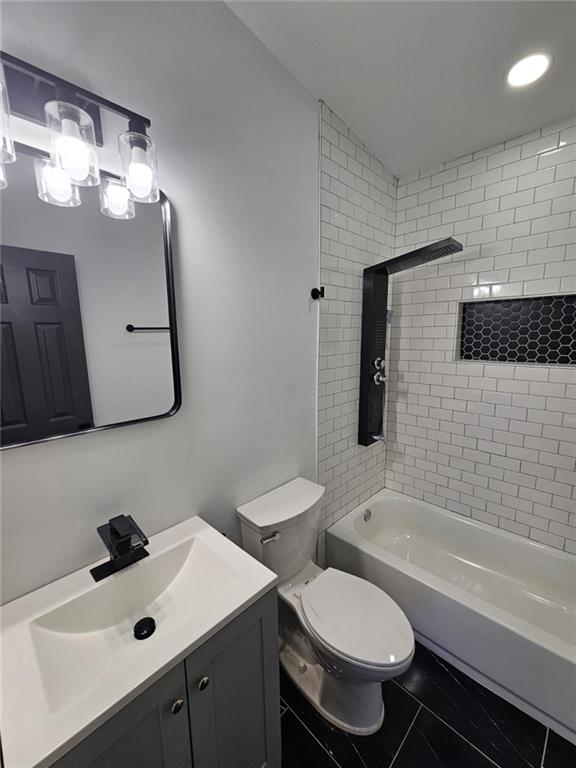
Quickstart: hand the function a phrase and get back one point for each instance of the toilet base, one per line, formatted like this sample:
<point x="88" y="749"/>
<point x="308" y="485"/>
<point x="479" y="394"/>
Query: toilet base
<point x="353" y="707"/>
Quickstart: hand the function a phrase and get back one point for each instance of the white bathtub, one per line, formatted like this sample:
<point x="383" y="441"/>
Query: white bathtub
<point x="499" y="607"/>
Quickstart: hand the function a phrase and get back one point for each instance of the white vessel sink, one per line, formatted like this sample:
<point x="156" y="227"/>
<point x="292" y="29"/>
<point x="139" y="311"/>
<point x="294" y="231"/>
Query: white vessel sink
<point x="69" y="655"/>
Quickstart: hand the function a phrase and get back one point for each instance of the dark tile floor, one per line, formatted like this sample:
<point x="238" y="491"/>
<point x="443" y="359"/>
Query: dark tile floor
<point x="436" y="717"/>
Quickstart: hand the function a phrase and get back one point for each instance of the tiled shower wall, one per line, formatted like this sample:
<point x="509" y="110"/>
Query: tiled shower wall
<point x="358" y="198"/>
<point x="496" y="442"/>
<point x="492" y="441"/>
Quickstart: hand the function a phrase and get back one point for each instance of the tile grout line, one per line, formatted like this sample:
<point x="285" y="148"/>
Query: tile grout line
<point x="406" y="735"/>
<point x="544" y="747"/>
<point x="303" y="724"/>
<point x="421" y="706"/>
<point x="434" y="714"/>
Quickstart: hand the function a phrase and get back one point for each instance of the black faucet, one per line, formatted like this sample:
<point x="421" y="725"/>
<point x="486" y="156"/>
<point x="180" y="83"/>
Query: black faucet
<point x="125" y="542"/>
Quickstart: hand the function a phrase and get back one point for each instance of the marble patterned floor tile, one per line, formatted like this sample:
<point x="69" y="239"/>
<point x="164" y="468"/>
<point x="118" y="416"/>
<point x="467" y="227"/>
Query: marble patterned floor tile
<point x="509" y="737"/>
<point x="299" y="748"/>
<point x="559" y="752"/>
<point x="431" y="744"/>
<point x="374" y="751"/>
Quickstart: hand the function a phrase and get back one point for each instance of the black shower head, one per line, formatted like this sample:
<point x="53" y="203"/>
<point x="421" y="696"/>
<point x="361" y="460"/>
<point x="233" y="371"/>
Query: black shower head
<point x="420" y="256"/>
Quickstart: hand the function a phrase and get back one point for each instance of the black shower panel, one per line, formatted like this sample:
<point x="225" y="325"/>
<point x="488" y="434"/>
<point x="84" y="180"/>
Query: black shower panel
<point x="373" y="355"/>
<point x="374" y="319"/>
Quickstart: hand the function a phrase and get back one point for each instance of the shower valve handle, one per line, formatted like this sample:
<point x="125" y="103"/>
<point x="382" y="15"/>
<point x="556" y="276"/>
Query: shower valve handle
<point x="379" y="378"/>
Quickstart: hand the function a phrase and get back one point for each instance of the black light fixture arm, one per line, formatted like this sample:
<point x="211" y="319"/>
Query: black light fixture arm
<point x="28" y="77"/>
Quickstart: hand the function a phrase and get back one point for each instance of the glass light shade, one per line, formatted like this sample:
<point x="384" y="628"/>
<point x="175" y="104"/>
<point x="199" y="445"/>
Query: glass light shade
<point x="3" y="180"/>
<point x="72" y="142"/>
<point x="115" y="200"/>
<point x="54" y="185"/>
<point x="140" y="170"/>
<point x="7" y="153"/>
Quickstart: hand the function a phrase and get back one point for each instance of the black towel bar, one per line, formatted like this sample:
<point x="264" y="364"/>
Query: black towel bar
<point x="136" y="328"/>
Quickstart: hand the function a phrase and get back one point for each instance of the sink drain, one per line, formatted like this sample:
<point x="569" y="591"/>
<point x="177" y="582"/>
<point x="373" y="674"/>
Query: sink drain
<point x="144" y="628"/>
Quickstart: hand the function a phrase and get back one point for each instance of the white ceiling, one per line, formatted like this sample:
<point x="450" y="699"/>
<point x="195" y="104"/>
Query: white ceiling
<point x="424" y="82"/>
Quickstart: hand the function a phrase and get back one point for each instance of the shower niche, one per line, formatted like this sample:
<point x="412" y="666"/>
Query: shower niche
<point x="531" y="329"/>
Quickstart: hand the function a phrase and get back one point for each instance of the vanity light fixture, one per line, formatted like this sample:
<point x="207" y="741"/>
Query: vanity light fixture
<point x="72" y="142"/>
<point x="529" y="69"/>
<point x="140" y="170"/>
<point x="7" y="153"/>
<point x="115" y="200"/>
<point x="54" y="184"/>
<point x="73" y="117"/>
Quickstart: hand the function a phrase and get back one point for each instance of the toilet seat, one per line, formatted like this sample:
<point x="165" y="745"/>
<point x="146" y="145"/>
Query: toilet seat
<point x="357" y="621"/>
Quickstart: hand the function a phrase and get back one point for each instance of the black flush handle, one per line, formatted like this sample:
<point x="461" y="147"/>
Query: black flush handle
<point x="317" y="293"/>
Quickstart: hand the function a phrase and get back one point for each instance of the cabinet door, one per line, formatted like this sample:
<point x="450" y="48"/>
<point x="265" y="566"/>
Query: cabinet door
<point x="145" y="734"/>
<point x="233" y="692"/>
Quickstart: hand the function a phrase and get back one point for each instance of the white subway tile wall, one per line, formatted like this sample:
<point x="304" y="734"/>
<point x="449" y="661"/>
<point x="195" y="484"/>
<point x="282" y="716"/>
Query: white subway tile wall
<point x="495" y="442"/>
<point x="358" y="208"/>
<point x="492" y="441"/>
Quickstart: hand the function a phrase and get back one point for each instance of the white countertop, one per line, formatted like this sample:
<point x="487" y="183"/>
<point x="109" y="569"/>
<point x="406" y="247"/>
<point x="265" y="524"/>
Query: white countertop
<point x="69" y="659"/>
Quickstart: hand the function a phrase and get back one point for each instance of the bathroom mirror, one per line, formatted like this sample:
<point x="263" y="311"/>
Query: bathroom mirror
<point x="88" y="337"/>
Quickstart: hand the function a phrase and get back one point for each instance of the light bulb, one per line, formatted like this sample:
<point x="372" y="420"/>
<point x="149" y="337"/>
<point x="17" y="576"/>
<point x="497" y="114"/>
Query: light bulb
<point x="73" y="154"/>
<point x="54" y="185"/>
<point x="7" y="154"/>
<point x="57" y="183"/>
<point x="117" y="199"/>
<point x="3" y="181"/>
<point x="73" y="142"/>
<point x="140" y="172"/>
<point x="140" y="176"/>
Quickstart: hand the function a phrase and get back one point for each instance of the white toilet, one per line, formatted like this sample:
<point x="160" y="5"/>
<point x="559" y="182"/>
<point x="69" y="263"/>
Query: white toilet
<point x="341" y="636"/>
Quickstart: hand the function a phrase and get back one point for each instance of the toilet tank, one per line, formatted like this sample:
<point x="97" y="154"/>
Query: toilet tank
<point x="280" y="528"/>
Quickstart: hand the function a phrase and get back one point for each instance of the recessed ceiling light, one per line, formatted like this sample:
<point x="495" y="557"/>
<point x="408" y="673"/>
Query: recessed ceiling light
<point x="529" y="69"/>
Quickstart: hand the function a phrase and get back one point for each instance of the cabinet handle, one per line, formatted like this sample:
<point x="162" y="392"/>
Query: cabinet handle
<point x="177" y="706"/>
<point x="203" y="683"/>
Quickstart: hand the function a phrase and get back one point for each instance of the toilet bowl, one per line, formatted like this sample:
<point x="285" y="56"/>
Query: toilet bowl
<point x="341" y="636"/>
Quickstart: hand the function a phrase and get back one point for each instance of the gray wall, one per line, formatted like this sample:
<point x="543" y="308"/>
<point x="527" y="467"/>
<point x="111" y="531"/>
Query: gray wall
<point x="237" y="138"/>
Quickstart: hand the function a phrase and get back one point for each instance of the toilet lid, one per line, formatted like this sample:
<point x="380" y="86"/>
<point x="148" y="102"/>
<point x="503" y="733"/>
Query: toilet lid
<point x="357" y="619"/>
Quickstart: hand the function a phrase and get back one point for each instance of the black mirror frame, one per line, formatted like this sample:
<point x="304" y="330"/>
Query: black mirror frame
<point x="166" y="210"/>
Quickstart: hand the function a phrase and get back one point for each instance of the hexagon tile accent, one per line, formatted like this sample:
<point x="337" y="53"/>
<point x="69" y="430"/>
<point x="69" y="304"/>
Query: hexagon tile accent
<point x="538" y="329"/>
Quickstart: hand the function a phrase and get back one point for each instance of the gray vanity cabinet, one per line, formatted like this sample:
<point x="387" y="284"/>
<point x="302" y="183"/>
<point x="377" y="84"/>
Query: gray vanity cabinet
<point x="233" y="694"/>
<point x="217" y="709"/>
<point x="145" y="734"/>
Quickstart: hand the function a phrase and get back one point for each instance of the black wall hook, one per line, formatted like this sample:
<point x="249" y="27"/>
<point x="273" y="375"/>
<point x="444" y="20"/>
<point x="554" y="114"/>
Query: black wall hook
<point x="317" y="293"/>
